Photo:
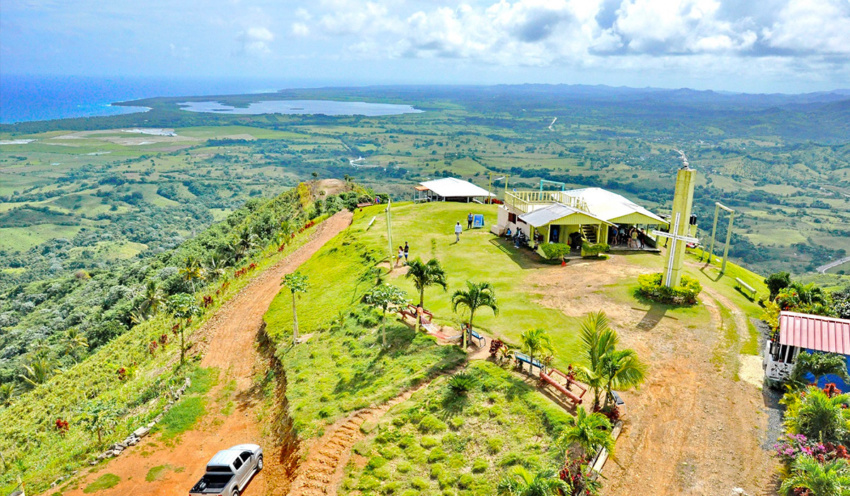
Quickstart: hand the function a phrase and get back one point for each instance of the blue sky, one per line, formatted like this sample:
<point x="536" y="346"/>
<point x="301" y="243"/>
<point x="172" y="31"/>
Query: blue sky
<point x="735" y="45"/>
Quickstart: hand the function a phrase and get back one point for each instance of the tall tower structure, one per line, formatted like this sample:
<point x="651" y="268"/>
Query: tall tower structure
<point x="683" y="202"/>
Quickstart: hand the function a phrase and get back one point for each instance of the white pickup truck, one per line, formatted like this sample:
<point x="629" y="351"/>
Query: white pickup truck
<point x="229" y="471"/>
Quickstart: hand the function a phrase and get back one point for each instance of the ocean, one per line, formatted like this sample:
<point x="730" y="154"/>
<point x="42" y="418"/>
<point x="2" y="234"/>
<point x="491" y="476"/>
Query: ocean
<point x="36" y="98"/>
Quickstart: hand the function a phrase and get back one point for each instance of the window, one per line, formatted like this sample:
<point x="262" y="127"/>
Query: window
<point x="237" y="463"/>
<point x="512" y="218"/>
<point x="245" y="456"/>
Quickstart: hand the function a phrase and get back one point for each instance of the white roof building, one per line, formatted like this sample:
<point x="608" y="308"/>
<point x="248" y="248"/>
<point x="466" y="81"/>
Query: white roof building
<point x="450" y="189"/>
<point x="614" y="208"/>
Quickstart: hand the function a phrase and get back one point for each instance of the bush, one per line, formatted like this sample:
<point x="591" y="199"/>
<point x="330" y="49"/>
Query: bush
<point x="437" y="454"/>
<point x="432" y="424"/>
<point x="465" y="481"/>
<point x="419" y="483"/>
<point x="593" y="250"/>
<point x="650" y="286"/>
<point x="462" y="383"/>
<point x="555" y="250"/>
<point x="428" y="442"/>
<point x="479" y="465"/>
<point x="494" y="444"/>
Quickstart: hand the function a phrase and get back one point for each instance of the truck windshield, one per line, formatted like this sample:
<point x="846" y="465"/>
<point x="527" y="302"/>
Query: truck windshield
<point x="218" y="468"/>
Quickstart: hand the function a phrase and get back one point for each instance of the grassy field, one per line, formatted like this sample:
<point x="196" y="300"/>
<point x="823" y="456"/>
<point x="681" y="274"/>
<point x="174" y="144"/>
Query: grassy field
<point x="440" y="442"/>
<point x="428" y="228"/>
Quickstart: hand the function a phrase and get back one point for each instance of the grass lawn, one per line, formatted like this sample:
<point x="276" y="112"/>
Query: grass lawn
<point x="103" y="482"/>
<point x="437" y="441"/>
<point x="479" y="256"/>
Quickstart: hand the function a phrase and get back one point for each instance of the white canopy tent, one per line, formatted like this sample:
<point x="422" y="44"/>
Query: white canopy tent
<point x="450" y="189"/>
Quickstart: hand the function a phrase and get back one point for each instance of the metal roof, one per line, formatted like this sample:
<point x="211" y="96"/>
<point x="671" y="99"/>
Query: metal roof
<point x="610" y="206"/>
<point x="550" y="213"/>
<point x="815" y="332"/>
<point x="452" y="187"/>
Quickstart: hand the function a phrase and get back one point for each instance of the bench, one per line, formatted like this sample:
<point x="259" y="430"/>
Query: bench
<point x="745" y="288"/>
<point x="478" y="338"/>
<point x="618" y="401"/>
<point x="523" y="359"/>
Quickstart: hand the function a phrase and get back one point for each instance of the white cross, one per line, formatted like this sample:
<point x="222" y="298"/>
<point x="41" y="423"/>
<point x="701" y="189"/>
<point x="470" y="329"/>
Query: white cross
<point x="675" y="236"/>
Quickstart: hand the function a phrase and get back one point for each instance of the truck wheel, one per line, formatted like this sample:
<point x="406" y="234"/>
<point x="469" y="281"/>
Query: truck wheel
<point x="235" y="492"/>
<point x="260" y="463"/>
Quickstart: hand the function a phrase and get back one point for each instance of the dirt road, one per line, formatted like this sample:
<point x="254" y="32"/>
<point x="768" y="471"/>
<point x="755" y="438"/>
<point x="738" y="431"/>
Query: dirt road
<point x="691" y="429"/>
<point x="232" y="405"/>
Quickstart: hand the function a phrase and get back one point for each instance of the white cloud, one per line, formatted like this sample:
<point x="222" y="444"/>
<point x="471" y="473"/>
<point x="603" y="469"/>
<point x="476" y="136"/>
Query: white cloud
<point x="582" y="32"/>
<point x="255" y="41"/>
<point x="300" y="29"/>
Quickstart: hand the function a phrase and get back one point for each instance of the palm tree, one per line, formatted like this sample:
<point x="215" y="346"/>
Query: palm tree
<point x="72" y="341"/>
<point x="424" y="275"/>
<point x="587" y="433"/>
<point x="152" y="299"/>
<point x="831" y="478"/>
<point x="7" y="392"/>
<point x="297" y="283"/>
<point x="819" y="365"/>
<point x="215" y="267"/>
<point x="817" y="416"/>
<point x="37" y="372"/>
<point x="382" y="297"/>
<point x="622" y="370"/>
<point x="192" y="271"/>
<point x="477" y="295"/>
<point x="597" y="339"/>
<point x="521" y="482"/>
<point x="535" y="341"/>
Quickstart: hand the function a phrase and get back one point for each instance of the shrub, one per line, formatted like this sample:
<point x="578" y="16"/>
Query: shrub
<point x="456" y="422"/>
<point x="428" y="441"/>
<point x="460" y="384"/>
<point x="593" y="250"/>
<point x="404" y="467"/>
<point x="465" y="481"/>
<point x="555" y="250"/>
<point x="494" y="444"/>
<point x="436" y="455"/>
<point x="368" y="483"/>
<point x="391" y="487"/>
<point x="432" y="424"/>
<point x="650" y="286"/>
<point x="419" y="483"/>
<point x="479" y="465"/>
<point x="376" y="462"/>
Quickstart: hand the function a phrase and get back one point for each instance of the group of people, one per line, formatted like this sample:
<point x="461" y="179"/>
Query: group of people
<point x="403" y="252"/>
<point x="627" y="236"/>
<point x="520" y="238"/>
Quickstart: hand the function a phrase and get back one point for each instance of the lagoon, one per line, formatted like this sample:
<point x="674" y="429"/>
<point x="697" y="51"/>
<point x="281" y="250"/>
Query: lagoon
<point x="302" y="107"/>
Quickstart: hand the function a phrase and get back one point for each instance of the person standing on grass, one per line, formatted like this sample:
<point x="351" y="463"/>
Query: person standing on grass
<point x="406" y="252"/>
<point x="458" y="230"/>
<point x="469" y="221"/>
<point x="400" y="255"/>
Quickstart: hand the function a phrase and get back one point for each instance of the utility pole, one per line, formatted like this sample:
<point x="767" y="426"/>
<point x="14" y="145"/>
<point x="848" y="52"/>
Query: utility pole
<point x="390" y="233"/>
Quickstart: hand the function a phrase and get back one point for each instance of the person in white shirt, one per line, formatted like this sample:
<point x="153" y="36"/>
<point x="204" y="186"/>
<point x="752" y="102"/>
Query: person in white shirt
<point x="458" y="230"/>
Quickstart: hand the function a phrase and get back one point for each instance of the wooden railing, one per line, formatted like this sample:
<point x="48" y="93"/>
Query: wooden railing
<point x="526" y="200"/>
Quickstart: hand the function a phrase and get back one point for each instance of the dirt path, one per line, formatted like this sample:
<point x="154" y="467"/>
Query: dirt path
<point x="232" y="405"/>
<point x="691" y="429"/>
